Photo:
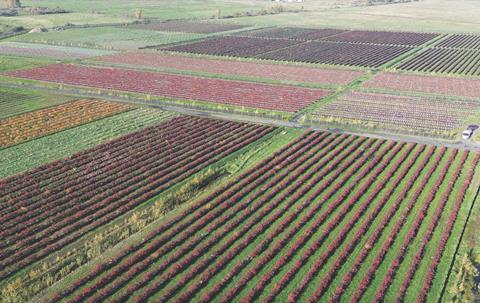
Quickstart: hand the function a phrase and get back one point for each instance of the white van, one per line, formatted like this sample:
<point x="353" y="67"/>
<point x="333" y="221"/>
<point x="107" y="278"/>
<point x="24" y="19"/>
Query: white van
<point x="467" y="134"/>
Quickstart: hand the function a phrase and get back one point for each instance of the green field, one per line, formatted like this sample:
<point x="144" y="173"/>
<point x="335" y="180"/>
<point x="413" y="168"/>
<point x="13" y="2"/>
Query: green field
<point x="14" y="102"/>
<point x="62" y="144"/>
<point x="107" y="38"/>
<point x="9" y="63"/>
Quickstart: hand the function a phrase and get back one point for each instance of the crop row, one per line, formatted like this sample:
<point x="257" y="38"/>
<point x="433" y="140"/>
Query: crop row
<point x="445" y="60"/>
<point x="461" y="41"/>
<point x="34" y="153"/>
<point x="45" y="209"/>
<point x="324" y="192"/>
<point x="38" y="50"/>
<point x="13" y="102"/>
<point x="338" y="53"/>
<point x="188" y="27"/>
<point x="382" y="37"/>
<point x="253" y="95"/>
<point x="236" y="68"/>
<point x="338" y="35"/>
<point x="369" y="55"/>
<point x="39" y="123"/>
<point x="409" y="113"/>
<point x="452" y="86"/>
<point x="296" y="33"/>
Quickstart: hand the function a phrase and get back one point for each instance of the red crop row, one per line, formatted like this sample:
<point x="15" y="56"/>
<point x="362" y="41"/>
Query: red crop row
<point x="427" y="283"/>
<point x="426" y="84"/>
<point x="276" y="218"/>
<point x="361" y="231"/>
<point x="366" y="280"/>
<point x="445" y="60"/>
<point x="36" y="50"/>
<point x="254" y="95"/>
<point x="407" y="279"/>
<point x="236" y="68"/>
<point x="348" y="277"/>
<point x="351" y="200"/>
<point x="60" y="214"/>
<point x="182" y="247"/>
<point x="296" y="33"/>
<point x="191" y="215"/>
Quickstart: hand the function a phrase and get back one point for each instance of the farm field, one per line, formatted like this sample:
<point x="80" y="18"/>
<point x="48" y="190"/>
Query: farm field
<point x="239" y="151"/>
<point x="108" y="38"/>
<point x="188" y="27"/>
<point x="31" y="154"/>
<point x="329" y="195"/>
<point x="78" y="194"/>
<point x="21" y="128"/>
<point x="36" y="50"/>
<point x="14" y="102"/>
<point x="8" y="62"/>
<point x="254" y="95"/>
<point x="367" y="55"/>
<point x="445" y="61"/>
<point x="283" y="73"/>
<point x="451" y="86"/>
<point x="416" y="115"/>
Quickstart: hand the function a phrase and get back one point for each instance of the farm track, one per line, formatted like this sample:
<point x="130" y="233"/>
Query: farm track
<point x="74" y="205"/>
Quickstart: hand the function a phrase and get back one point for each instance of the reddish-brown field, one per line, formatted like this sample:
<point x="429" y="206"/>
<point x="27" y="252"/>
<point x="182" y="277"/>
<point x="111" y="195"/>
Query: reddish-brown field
<point x="426" y="84"/>
<point x="28" y="126"/>
<point x="254" y="95"/>
<point x="237" y="68"/>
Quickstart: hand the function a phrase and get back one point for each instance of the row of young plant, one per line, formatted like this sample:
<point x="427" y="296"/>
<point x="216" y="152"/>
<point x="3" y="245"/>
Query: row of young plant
<point x="130" y="191"/>
<point x="179" y="222"/>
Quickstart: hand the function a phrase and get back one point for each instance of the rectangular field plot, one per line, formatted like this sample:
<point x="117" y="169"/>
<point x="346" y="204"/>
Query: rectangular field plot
<point x="408" y="114"/>
<point x="338" y="53"/>
<point x="461" y="41"/>
<point x="426" y="84"/>
<point x="108" y="38"/>
<point x="253" y="95"/>
<point x="34" y="153"/>
<point x="233" y="46"/>
<point x="49" y="51"/>
<point x="73" y="196"/>
<point x="18" y="129"/>
<point x="188" y="27"/>
<point x="327" y="217"/>
<point x="292" y="33"/>
<point x="445" y="60"/>
<point x="287" y="73"/>
<point x="14" y="101"/>
<point x="386" y="38"/>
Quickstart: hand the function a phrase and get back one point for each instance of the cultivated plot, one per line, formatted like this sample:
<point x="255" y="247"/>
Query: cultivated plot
<point x="328" y="217"/>
<point x="380" y="37"/>
<point x="21" y="128"/>
<point x="338" y="53"/>
<point x="76" y="195"/>
<point x="252" y="95"/>
<point x="39" y="50"/>
<point x="451" y="86"/>
<point x="418" y="115"/>
<point x="188" y="27"/>
<point x="445" y="60"/>
<point x="234" y="46"/>
<point x="287" y="73"/>
<point x="461" y="41"/>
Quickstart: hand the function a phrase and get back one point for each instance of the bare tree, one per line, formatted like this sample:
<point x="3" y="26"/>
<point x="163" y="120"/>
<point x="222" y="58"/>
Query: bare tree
<point x="12" y="3"/>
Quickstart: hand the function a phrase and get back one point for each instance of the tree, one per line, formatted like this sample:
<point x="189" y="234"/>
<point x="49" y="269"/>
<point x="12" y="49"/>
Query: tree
<point x="12" y="3"/>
